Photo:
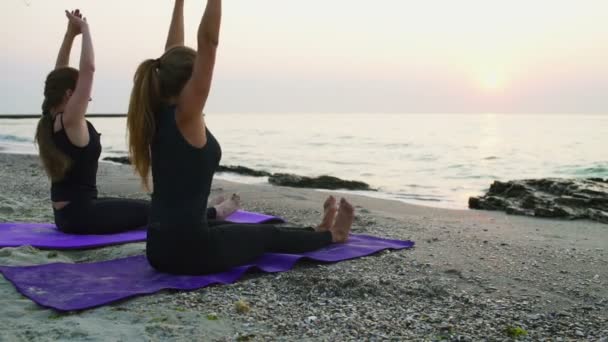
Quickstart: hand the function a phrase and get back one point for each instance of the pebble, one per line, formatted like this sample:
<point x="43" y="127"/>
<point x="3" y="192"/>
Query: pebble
<point x="311" y="319"/>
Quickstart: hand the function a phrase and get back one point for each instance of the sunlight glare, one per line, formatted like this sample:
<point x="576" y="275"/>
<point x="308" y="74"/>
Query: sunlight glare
<point x="492" y="81"/>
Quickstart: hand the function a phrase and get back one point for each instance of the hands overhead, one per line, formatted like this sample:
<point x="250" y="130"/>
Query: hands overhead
<point x="76" y="22"/>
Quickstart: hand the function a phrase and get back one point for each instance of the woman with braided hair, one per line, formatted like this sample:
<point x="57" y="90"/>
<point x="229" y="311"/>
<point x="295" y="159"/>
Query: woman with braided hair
<point x="70" y="146"/>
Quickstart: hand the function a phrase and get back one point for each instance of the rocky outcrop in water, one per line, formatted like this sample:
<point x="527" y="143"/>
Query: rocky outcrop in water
<point x="322" y="182"/>
<point x="120" y="160"/>
<point x="242" y="170"/>
<point x="282" y="179"/>
<point x="551" y="197"/>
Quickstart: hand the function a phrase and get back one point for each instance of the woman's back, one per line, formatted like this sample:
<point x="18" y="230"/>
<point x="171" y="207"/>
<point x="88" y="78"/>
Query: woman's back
<point x="80" y="179"/>
<point x="181" y="173"/>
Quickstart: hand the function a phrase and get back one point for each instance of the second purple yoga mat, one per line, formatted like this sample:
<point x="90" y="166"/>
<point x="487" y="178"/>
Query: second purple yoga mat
<point x="46" y="236"/>
<point x="67" y="287"/>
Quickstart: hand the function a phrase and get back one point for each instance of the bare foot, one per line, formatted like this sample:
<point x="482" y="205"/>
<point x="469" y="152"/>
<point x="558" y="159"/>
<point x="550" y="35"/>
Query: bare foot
<point x="227" y="207"/>
<point x="344" y="221"/>
<point x="330" y="208"/>
<point x="215" y="201"/>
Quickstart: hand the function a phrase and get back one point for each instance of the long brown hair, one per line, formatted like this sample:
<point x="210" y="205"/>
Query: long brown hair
<point x="156" y="82"/>
<point x="55" y="162"/>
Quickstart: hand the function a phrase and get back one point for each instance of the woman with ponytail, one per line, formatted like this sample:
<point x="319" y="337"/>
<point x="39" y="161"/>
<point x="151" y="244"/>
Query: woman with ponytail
<point x="69" y="148"/>
<point x="169" y="137"/>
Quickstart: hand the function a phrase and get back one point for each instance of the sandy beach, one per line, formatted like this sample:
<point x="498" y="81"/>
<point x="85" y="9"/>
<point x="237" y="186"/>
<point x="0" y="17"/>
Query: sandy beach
<point x="473" y="275"/>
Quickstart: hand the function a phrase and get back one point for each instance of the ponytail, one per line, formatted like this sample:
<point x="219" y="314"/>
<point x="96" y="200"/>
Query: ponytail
<point x="55" y="162"/>
<point x="145" y="100"/>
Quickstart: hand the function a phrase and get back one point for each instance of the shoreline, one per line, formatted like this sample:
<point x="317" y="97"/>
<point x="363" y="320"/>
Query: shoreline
<point x="472" y="275"/>
<point x="249" y="180"/>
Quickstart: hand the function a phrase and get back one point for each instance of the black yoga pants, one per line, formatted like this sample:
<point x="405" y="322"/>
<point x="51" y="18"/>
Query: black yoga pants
<point x="106" y="215"/>
<point x="205" y="249"/>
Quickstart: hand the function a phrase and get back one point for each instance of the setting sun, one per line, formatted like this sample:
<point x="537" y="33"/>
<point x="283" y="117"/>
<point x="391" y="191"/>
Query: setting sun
<point x="492" y="81"/>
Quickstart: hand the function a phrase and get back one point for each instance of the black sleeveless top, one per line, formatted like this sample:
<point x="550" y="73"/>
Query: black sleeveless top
<point x="181" y="173"/>
<point x="80" y="181"/>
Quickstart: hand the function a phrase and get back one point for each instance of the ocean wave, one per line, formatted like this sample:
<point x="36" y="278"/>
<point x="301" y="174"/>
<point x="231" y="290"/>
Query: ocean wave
<point x="395" y="145"/>
<point x="472" y="176"/>
<point x="14" y="139"/>
<point x="593" y="170"/>
<point x="458" y="166"/>
<point x="419" y="197"/>
<point x="599" y="170"/>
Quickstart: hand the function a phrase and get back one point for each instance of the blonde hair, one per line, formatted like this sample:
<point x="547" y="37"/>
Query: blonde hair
<point x="55" y="162"/>
<point x="156" y="81"/>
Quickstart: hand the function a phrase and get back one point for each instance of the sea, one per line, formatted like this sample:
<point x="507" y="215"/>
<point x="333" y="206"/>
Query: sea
<point x="437" y="160"/>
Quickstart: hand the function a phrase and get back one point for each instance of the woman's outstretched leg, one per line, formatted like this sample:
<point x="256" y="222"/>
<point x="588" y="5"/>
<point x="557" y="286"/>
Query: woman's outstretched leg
<point x="204" y="249"/>
<point x="234" y="244"/>
<point x="103" y="216"/>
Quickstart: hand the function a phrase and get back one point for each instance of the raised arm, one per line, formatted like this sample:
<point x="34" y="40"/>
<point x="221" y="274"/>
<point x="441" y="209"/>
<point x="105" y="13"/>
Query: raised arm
<point x="63" y="58"/>
<point x="194" y="95"/>
<point x="176" y="28"/>
<point x="77" y="105"/>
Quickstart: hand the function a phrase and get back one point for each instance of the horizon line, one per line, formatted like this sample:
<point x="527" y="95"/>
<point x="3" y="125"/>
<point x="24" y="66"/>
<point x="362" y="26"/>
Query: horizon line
<point x="121" y="115"/>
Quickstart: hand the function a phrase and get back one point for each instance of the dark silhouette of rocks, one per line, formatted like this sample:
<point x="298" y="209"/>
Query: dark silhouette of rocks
<point x="242" y="170"/>
<point x="120" y="160"/>
<point x="322" y="182"/>
<point x="282" y="179"/>
<point x="548" y="197"/>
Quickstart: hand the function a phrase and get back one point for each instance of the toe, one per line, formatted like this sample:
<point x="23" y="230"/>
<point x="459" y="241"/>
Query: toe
<point x="348" y="206"/>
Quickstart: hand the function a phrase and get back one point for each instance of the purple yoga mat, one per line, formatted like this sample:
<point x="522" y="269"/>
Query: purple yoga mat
<point x="67" y="287"/>
<point x="46" y="236"/>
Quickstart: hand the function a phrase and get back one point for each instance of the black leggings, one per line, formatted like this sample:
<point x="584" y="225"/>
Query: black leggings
<point x="215" y="248"/>
<point x="106" y="215"/>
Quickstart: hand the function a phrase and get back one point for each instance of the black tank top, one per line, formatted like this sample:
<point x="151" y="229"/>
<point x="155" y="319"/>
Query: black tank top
<point x="80" y="181"/>
<point x="181" y="173"/>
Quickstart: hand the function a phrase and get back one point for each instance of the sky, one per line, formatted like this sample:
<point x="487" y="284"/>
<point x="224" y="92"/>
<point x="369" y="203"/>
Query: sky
<point x="334" y="56"/>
